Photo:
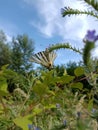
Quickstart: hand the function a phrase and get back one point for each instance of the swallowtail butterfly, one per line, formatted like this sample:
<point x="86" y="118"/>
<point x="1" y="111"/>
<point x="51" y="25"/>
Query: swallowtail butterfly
<point x="44" y="58"/>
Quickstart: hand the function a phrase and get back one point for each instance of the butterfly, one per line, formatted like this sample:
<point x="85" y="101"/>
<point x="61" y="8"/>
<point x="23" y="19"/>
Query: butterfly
<point x="44" y="58"/>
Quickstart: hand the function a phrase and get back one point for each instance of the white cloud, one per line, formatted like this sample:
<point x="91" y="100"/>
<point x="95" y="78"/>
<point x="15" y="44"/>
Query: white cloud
<point x="9" y="37"/>
<point x="51" y="22"/>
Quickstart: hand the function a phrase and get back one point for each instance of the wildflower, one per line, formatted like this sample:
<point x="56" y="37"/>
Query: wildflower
<point x="93" y="110"/>
<point x="64" y="122"/>
<point x="30" y="126"/>
<point x="57" y="105"/>
<point x="36" y="128"/>
<point x="90" y="36"/>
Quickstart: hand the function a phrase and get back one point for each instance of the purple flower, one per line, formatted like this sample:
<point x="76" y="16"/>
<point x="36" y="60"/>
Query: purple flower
<point x="93" y="110"/>
<point x="30" y="126"/>
<point x="57" y="105"/>
<point x="37" y="128"/>
<point x="64" y="122"/>
<point x="90" y="36"/>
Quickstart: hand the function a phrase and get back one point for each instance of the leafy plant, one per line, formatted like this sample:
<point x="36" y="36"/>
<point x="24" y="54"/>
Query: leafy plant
<point x="45" y="100"/>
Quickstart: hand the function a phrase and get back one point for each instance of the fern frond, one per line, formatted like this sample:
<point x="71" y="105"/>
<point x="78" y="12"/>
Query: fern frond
<point x="64" y="46"/>
<point x="69" y="11"/>
<point x="93" y="3"/>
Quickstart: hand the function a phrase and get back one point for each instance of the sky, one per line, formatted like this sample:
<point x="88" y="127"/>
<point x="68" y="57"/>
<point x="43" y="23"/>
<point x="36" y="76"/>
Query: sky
<point x="42" y="21"/>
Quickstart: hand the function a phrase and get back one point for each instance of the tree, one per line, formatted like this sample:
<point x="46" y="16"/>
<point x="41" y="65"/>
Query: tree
<point x="22" y="50"/>
<point x="70" y="67"/>
<point x="2" y="36"/>
<point x="5" y="51"/>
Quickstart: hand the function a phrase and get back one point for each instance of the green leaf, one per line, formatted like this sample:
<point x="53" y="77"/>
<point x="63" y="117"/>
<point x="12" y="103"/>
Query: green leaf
<point x="1" y="109"/>
<point x="67" y="78"/>
<point x="4" y="67"/>
<point x="50" y="106"/>
<point x="90" y="105"/>
<point x="79" y="71"/>
<point x="37" y="110"/>
<point x="3" y="87"/>
<point x="49" y="78"/>
<point x="23" y="121"/>
<point x="78" y="85"/>
<point x="83" y="125"/>
<point x="40" y="89"/>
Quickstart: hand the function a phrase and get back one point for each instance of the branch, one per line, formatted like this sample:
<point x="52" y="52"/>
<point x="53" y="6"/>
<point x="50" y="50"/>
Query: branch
<point x="69" y="11"/>
<point x="93" y="3"/>
<point x="64" y="46"/>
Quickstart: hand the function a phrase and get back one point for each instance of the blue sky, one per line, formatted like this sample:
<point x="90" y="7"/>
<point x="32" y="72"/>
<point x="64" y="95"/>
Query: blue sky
<point x="42" y="21"/>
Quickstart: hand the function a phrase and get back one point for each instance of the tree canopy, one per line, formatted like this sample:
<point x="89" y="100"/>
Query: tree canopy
<point x="5" y="51"/>
<point x="17" y="54"/>
<point x="22" y="50"/>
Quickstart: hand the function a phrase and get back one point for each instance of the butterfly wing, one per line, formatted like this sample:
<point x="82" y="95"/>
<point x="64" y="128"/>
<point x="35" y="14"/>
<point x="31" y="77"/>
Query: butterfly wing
<point x="52" y="56"/>
<point x="44" y="58"/>
<point x="40" y="58"/>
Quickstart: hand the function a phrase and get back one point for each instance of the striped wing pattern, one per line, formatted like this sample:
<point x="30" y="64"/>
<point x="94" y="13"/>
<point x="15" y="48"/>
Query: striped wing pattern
<point x="44" y="58"/>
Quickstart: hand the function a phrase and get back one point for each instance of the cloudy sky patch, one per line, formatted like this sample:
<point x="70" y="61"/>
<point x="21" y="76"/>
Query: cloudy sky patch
<point x="52" y="23"/>
<point x="43" y="22"/>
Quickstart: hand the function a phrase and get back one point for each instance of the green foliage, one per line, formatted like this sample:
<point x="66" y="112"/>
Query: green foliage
<point x="17" y="54"/>
<point x="23" y="122"/>
<point x="5" y="54"/>
<point x="3" y="87"/>
<point x="5" y="51"/>
<point x="79" y="71"/>
<point x="70" y="67"/>
<point x="60" y="70"/>
<point x="2" y="37"/>
<point x="93" y="3"/>
<point x="78" y="85"/>
<point x="49" y="100"/>
<point x="67" y="11"/>
<point x="95" y="115"/>
<point x="87" y="52"/>
<point x="46" y="98"/>
<point x="64" y="46"/>
<point x="11" y="78"/>
<point x="22" y="50"/>
<point x="3" y="82"/>
<point x="46" y="105"/>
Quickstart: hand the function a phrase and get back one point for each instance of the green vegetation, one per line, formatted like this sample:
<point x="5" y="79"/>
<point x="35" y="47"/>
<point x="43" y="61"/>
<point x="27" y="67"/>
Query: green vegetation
<point x="22" y="50"/>
<point x="48" y="98"/>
